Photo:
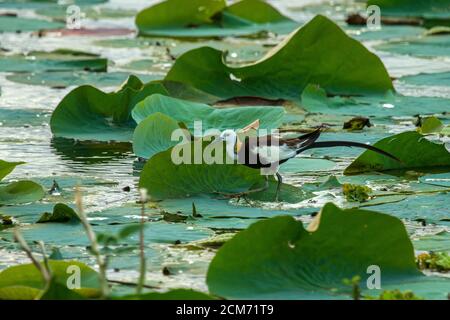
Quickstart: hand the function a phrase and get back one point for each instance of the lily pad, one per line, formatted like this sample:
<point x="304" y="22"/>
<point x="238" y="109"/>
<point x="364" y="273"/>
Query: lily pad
<point x="440" y="179"/>
<point x="61" y="79"/>
<point x="61" y="213"/>
<point x="427" y="47"/>
<point x="428" y="79"/>
<point x="154" y="135"/>
<point x="21" y="24"/>
<point x="27" y="276"/>
<point x="412" y="148"/>
<point x="315" y="99"/>
<point x="21" y="192"/>
<point x="436" y="9"/>
<point x="280" y="259"/>
<point x="57" y="60"/>
<point x="87" y="113"/>
<point x="203" y="18"/>
<point x="7" y="167"/>
<point x="307" y="165"/>
<point x="164" y="179"/>
<point x="211" y="118"/>
<point x="289" y="67"/>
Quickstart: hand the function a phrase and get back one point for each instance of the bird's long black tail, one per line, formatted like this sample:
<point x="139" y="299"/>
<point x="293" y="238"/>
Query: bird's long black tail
<point x="330" y="144"/>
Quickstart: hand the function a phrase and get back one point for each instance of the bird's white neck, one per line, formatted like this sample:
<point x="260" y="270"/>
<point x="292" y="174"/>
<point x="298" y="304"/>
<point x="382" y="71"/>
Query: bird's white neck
<point x="230" y="147"/>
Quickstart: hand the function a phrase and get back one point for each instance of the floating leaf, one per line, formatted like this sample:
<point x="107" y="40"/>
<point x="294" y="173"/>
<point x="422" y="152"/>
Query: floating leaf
<point x="19" y="279"/>
<point x="164" y="179"/>
<point x="430" y="125"/>
<point x="87" y="113"/>
<point x="61" y="213"/>
<point x="154" y="135"/>
<point x="413" y="149"/>
<point x="19" y="24"/>
<point x="7" y="167"/>
<point x="204" y="18"/>
<point x="211" y="118"/>
<point x="57" y="60"/>
<point x="62" y="79"/>
<point x="437" y="9"/>
<point x="279" y="259"/>
<point x="21" y="192"/>
<point x="289" y="67"/>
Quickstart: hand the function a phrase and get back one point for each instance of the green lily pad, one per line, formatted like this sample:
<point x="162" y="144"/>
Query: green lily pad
<point x="430" y="125"/>
<point x="57" y="60"/>
<point x="289" y="67"/>
<point x="428" y="47"/>
<point x="428" y="79"/>
<point x="19" y="24"/>
<point x="212" y="118"/>
<point x="76" y="78"/>
<point x="440" y="179"/>
<point x="413" y="149"/>
<point x="154" y="135"/>
<point x="315" y="99"/>
<point x="21" y="192"/>
<point x="164" y="179"/>
<point x="437" y="9"/>
<point x="61" y="213"/>
<point x="280" y="259"/>
<point x="7" y="167"/>
<point x="87" y="113"/>
<point x="27" y="276"/>
<point x="203" y="18"/>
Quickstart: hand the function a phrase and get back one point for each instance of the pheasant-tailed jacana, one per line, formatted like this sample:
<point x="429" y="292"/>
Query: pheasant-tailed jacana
<point x="270" y="151"/>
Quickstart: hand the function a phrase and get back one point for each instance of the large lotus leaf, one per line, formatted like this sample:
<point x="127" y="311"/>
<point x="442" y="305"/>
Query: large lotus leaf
<point x="439" y="9"/>
<point x="19" y="24"/>
<point x="205" y="18"/>
<point x="57" y="60"/>
<point x="25" y="276"/>
<point x="320" y="52"/>
<point x="279" y="259"/>
<point x="315" y="100"/>
<point x="163" y="178"/>
<point x="211" y="118"/>
<point x="175" y="294"/>
<point x="7" y="167"/>
<point x="21" y="192"/>
<point x="61" y="79"/>
<point x="412" y="148"/>
<point x="87" y="113"/>
<point x="154" y="135"/>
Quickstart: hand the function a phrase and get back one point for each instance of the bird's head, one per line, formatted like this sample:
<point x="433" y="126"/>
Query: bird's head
<point x="229" y="136"/>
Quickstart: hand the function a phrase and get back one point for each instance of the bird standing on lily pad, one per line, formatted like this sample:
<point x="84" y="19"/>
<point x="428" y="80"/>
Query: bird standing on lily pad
<point x="270" y="151"/>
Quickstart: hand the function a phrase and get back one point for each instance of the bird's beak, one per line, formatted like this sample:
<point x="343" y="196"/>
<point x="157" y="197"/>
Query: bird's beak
<point x="252" y="126"/>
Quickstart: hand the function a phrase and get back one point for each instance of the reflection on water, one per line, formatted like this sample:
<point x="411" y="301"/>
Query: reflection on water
<point x="89" y="152"/>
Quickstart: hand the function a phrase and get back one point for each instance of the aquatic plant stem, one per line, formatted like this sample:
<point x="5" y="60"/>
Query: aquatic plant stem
<point x="101" y="260"/>
<point x="142" y="267"/>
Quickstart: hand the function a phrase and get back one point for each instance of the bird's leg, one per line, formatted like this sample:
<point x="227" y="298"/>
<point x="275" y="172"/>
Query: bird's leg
<point x="280" y="182"/>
